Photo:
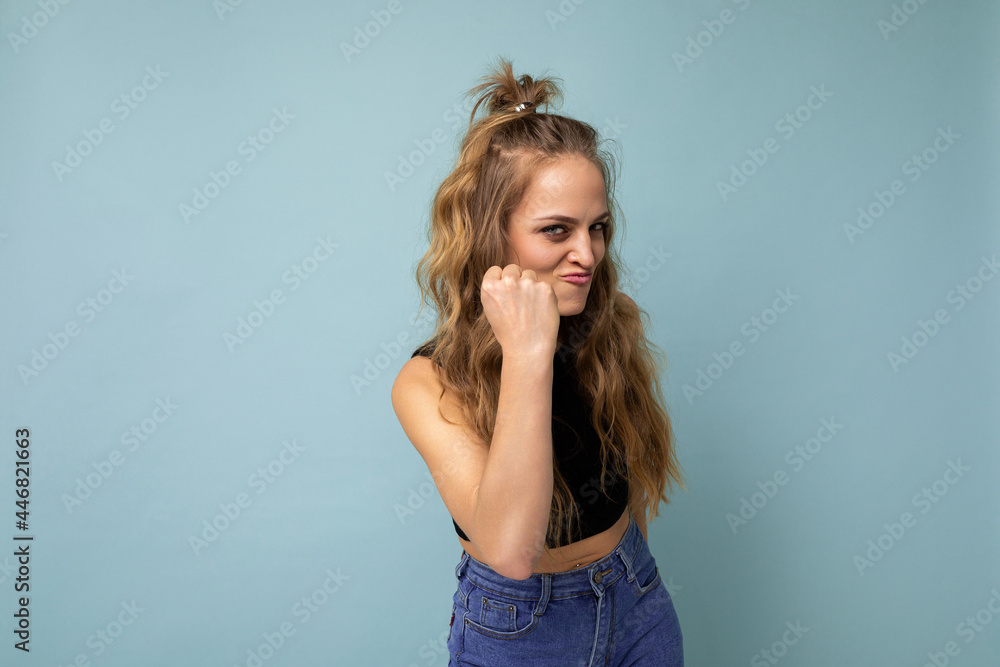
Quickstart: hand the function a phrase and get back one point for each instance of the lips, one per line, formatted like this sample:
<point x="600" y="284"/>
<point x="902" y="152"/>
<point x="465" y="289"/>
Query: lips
<point x="577" y="278"/>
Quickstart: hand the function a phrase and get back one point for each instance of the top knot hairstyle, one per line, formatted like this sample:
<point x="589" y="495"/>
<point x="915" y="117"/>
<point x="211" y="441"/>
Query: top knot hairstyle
<point x="501" y="92"/>
<point x="618" y="368"/>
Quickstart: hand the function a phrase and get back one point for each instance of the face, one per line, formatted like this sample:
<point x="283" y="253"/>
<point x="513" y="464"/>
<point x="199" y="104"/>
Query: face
<point x="558" y="229"/>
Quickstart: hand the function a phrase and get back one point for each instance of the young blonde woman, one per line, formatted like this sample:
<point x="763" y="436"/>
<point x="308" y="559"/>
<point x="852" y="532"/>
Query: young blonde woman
<point x="536" y="404"/>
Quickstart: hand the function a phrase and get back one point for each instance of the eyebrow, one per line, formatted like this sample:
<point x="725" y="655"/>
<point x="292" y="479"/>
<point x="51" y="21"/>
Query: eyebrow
<point x="568" y="219"/>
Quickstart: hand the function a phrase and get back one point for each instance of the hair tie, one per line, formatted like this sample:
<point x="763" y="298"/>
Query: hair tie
<point x="522" y="106"/>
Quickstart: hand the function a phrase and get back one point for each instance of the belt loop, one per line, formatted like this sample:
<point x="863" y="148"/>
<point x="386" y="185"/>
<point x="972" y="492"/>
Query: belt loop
<point x="628" y="563"/>
<point x="546" y="592"/>
<point x="461" y="564"/>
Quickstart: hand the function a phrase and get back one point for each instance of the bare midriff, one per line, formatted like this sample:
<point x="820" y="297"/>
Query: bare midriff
<point x="572" y="556"/>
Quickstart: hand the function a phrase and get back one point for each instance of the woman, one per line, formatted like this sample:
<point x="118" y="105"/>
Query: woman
<point x="536" y="404"/>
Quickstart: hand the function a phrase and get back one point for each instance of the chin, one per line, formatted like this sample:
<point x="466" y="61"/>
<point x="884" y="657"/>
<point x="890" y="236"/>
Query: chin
<point x="566" y="309"/>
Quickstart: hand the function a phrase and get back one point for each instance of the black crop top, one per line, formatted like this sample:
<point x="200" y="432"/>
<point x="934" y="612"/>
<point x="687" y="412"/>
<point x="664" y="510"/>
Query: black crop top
<point x="577" y="449"/>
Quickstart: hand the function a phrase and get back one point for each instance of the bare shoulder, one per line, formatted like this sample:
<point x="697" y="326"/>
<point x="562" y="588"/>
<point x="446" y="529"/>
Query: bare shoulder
<point x="412" y="390"/>
<point x="417" y="370"/>
<point x="454" y="455"/>
<point x="417" y="381"/>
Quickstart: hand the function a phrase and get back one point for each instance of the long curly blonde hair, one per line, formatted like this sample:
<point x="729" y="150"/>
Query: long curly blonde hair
<point x="617" y="366"/>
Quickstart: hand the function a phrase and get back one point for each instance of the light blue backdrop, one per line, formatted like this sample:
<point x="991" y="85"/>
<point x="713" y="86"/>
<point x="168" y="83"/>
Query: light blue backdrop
<point x="210" y="216"/>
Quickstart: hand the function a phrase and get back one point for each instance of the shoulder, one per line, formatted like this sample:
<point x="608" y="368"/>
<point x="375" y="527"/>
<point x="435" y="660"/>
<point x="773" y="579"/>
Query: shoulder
<point x="622" y="296"/>
<point x="418" y="390"/>
<point x="416" y="374"/>
<point x="418" y="399"/>
<point x="418" y="369"/>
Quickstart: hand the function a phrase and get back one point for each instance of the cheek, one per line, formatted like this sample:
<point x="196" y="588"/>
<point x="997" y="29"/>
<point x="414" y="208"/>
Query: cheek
<point x="543" y="260"/>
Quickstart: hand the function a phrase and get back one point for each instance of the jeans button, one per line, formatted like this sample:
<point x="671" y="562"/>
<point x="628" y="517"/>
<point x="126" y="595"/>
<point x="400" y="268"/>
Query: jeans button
<point x="598" y="577"/>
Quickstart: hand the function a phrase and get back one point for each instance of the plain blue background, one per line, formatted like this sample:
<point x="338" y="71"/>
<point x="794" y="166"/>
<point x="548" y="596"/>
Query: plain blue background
<point x="352" y="498"/>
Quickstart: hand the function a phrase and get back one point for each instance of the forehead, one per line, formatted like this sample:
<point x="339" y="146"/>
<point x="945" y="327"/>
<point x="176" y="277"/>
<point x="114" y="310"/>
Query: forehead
<point x="569" y="181"/>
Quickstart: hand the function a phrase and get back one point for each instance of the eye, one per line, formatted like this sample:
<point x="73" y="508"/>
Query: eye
<point x="603" y="226"/>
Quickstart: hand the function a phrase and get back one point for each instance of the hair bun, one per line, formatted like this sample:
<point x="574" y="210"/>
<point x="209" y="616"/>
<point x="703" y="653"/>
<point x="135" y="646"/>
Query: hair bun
<point x="501" y="92"/>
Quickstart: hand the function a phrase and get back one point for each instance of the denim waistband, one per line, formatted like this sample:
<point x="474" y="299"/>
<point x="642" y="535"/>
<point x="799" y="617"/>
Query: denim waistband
<point x="590" y="579"/>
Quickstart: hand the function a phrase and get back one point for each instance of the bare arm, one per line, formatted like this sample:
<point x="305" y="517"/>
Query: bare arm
<point x="512" y="500"/>
<point x="499" y="492"/>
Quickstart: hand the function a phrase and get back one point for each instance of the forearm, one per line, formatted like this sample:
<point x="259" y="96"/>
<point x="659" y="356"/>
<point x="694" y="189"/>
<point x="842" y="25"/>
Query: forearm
<point x="515" y="493"/>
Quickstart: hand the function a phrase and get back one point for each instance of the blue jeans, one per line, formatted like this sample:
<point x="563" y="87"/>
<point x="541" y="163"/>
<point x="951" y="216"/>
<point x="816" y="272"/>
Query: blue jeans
<point x="614" y="612"/>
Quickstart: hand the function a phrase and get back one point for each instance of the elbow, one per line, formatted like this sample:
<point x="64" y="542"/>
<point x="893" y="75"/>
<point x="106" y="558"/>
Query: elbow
<point x="519" y="571"/>
<point x="505" y="552"/>
<point x="516" y="565"/>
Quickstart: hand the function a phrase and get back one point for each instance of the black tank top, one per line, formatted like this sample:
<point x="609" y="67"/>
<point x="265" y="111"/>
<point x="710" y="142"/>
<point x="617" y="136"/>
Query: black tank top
<point x="577" y="449"/>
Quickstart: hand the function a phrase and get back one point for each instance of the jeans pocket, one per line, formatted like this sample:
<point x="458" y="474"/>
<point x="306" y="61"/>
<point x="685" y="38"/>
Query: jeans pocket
<point x="646" y="578"/>
<point x="500" y="616"/>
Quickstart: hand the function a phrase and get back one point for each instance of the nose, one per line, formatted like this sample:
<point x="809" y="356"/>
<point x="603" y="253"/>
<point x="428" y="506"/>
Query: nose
<point x="582" y="250"/>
